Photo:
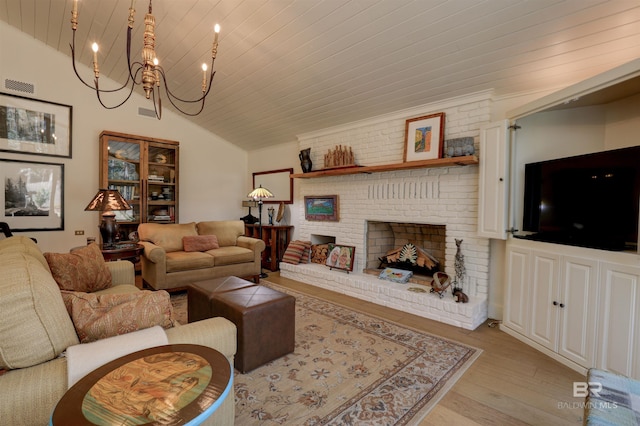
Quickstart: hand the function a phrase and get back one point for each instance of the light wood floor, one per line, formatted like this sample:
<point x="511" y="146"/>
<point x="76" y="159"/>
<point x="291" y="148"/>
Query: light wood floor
<point x="509" y="384"/>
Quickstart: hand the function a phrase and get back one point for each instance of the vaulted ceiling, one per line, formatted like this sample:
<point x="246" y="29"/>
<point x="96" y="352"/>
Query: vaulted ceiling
<point x="287" y="67"/>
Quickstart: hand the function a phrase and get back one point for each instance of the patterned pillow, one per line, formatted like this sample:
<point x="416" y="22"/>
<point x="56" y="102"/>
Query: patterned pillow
<point x="200" y="243"/>
<point x="97" y="316"/>
<point x="306" y="254"/>
<point x="295" y="250"/>
<point x="83" y="269"/>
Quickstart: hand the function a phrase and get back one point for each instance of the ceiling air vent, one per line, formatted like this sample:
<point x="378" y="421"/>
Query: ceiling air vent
<point x="146" y="112"/>
<point x="19" y="86"/>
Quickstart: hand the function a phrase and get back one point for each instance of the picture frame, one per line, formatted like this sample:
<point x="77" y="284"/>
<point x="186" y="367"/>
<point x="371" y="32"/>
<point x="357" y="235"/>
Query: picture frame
<point x="33" y="196"/>
<point x="35" y="127"/>
<point x="321" y="208"/>
<point x="340" y="257"/>
<point x="278" y="182"/>
<point x="424" y="138"/>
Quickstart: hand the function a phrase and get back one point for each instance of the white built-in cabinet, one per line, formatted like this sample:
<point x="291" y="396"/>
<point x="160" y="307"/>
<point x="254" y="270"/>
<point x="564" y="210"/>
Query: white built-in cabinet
<point x="493" y="181"/>
<point x="578" y="305"/>
<point x="619" y="319"/>
<point x="551" y="301"/>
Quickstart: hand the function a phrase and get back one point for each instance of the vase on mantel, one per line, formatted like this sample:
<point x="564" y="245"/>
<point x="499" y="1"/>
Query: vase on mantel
<point x="305" y="160"/>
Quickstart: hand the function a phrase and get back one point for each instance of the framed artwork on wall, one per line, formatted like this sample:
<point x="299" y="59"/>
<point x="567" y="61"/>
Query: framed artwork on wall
<point x="33" y="196"/>
<point x="31" y="126"/>
<point x="424" y="137"/>
<point x="321" y="208"/>
<point x="340" y="257"/>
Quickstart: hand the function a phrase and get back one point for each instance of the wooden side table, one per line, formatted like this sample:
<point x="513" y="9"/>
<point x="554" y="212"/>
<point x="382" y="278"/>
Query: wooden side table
<point x="171" y="384"/>
<point x="276" y="239"/>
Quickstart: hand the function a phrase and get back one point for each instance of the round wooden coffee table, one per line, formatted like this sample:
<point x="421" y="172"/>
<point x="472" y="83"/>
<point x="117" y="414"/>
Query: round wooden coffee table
<point x="169" y="385"/>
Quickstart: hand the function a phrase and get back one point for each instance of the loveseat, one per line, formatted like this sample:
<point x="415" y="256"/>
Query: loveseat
<point x="175" y="255"/>
<point x="36" y="329"/>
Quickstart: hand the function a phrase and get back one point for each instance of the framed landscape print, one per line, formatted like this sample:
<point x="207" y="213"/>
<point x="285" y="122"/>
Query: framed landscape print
<point x="424" y="137"/>
<point x="30" y="126"/>
<point x="321" y="208"/>
<point x="340" y="257"/>
<point x="33" y="196"/>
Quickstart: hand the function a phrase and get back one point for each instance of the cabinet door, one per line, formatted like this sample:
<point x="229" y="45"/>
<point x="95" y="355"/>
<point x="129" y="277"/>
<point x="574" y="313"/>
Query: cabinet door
<point x="161" y="177"/>
<point x="619" y="314"/>
<point x="544" y="298"/>
<point x="516" y="306"/>
<point x="121" y="169"/>
<point x="578" y="310"/>
<point x="493" y="181"/>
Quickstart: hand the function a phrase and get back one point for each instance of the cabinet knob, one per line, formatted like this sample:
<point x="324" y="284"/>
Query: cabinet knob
<point x="562" y="305"/>
<point x="501" y="180"/>
<point x="555" y="303"/>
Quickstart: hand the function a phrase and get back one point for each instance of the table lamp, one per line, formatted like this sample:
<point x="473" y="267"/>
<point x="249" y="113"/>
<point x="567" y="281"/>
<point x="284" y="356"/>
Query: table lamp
<point x="249" y="219"/>
<point x="259" y="194"/>
<point x="108" y="201"/>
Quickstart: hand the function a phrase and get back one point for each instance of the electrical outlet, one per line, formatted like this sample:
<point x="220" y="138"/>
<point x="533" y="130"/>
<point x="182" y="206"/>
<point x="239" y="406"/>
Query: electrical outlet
<point x="79" y="232"/>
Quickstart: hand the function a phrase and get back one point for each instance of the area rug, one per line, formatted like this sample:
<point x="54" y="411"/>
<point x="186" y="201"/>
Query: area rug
<point x="348" y="368"/>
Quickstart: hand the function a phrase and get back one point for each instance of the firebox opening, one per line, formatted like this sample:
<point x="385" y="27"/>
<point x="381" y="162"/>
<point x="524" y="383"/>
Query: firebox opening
<point x="390" y="237"/>
<point x="322" y="239"/>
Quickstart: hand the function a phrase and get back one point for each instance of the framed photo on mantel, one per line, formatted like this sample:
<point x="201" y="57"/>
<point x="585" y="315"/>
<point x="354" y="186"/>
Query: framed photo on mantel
<point x="424" y="137"/>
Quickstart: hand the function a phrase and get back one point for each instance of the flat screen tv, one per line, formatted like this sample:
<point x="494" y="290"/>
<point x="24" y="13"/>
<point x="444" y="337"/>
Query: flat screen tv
<point x="588" y="200"/>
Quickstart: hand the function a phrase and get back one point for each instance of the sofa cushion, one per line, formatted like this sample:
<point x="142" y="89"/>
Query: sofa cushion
<point x="167" y="236"/>
<point x="183" y="261"/>
<point x="96" y="316"/>
<point x="35" y="325"/>
<point x="83" y="269"/>
<point x="227" y="231"/>
<point x="231" y="255"/>
<point x="200" y="243"/>
<point x="23" y="245"/>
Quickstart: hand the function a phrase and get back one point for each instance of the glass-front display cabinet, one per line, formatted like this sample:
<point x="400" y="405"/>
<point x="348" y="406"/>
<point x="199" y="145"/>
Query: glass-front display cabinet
<point x="145" y="171"/>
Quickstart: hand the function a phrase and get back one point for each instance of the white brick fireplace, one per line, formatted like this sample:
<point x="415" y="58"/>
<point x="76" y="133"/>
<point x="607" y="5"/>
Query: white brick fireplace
<point x="435" y="196"/>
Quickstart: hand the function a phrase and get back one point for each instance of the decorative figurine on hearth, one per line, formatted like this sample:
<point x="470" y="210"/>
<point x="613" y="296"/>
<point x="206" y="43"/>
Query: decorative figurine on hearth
<point x="458" y="281"/>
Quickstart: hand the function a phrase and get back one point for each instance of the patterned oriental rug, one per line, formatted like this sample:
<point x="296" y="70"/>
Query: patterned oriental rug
<point x="348" y="368"/>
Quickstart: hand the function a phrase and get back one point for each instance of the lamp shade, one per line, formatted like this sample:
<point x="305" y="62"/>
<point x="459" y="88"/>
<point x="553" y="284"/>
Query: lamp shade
<point x="108" y="200"/>
<point x="250" y="203"/>
<point x="260" y="193"/>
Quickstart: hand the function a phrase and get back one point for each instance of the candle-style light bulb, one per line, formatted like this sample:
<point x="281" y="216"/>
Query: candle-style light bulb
<point x="204" y="77"/>
<point x="214" y="48"/>
<point x="96" y="70"/>
<point x="155" y="64"/>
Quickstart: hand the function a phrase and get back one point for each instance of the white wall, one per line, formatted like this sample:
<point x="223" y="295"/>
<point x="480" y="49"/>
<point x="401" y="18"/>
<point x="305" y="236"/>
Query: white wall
<point x="213" y="172"/>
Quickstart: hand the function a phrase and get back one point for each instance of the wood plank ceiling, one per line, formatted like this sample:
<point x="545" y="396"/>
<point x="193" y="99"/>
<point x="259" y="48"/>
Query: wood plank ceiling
<point x="287" y="67"/>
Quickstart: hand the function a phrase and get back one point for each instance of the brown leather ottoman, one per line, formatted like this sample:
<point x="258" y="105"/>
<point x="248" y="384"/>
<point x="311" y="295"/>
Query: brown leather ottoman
<point x="200" y="294"/>
<point x="265" y="319"/>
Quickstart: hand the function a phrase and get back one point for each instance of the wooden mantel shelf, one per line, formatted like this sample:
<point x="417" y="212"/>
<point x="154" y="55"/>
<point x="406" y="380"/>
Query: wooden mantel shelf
<point x="439" y="162"/>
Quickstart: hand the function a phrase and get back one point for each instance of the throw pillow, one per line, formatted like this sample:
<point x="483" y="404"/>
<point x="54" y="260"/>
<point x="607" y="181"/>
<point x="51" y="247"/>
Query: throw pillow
<point x="319" y="253"/>
<point x="83" y="269"/>
<point x="97" y="316"/>
<point x="200" y="243"/>
<point x="306" y="254"/>
<point x="294" y="251"/>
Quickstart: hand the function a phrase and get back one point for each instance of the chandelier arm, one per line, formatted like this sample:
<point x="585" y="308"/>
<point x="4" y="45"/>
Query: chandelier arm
<point x="171" y="97"/>
<point x="75" y="70"/>
<point x="106" y="91"/>
<point x="157" y="107"/>
<point x="188" y="101"/>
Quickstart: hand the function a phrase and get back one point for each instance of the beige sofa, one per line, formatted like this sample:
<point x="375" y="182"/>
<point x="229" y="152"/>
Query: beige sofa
<point x="36" y="329"/>
<point x="167" y="266"/>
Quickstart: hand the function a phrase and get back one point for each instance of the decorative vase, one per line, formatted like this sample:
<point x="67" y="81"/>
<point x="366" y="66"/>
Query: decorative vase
<point x="305" y="160"/>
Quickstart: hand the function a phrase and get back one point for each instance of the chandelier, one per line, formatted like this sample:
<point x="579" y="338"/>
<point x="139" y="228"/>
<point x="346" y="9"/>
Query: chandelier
<point x="147" y="73"/>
